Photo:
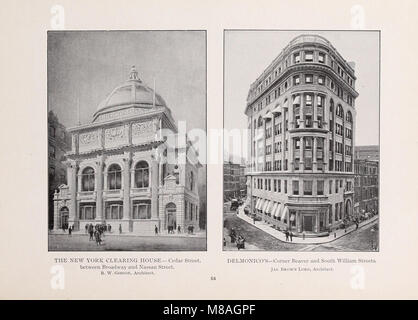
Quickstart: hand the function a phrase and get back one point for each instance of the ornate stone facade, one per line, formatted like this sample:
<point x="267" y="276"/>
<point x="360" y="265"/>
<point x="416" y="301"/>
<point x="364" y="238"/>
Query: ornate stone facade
<point x="301" y="121"/>
<point x="117" y="169"/>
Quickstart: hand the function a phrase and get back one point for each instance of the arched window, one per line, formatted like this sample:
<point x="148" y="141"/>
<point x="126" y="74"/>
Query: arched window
<point x="114" y="177"/>
<point x="142" y="174"/>
<point x="87" y="179"/>
<point x="349" y="117"/>
<point x="340" y="111"/>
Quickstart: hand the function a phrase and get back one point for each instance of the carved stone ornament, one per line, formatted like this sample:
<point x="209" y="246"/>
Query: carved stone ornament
<point x="89" y="138"/>
<point x="142" y="127"/>
<point x="116" y="133"/>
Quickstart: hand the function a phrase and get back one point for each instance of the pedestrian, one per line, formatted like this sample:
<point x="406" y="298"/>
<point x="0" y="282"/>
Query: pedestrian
<point x="97" y="236"/>
<point x="254" y="219"/>
<point x="156" y="230"/>
<point x="287" y="235"/>
<point x="69" y="230"/>
<point x="178" y="229"/>
<point x="87" y="228"/>
<point x="303" y="235"/>
<point x="109" y="227"/>
<point x="291" y="236"/>
<point x="120" y="228"/>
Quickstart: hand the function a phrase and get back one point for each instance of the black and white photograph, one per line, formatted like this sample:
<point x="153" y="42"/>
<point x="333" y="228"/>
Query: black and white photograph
<point x="126" y="170"/>
<point x="301" y="142"/>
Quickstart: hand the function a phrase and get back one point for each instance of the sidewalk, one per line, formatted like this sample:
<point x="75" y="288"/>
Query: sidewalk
<point x="318" y="240"/>
<point x="199" y="234"/>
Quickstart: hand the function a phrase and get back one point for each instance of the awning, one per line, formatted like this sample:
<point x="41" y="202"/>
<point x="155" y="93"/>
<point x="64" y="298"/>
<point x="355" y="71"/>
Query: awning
<point x="278" y="210"/>
<point x="257" y="203"/>
<point x="261" y="204"/>
<point x="273" y="211"/>
<point x="296" y="100"/>
<point x="269" y="207"/>
<point x="259" y="135"/>
<point x="266" y="203"/>
<point x="278" y="109"/>
<point x="285" y="213"/>
<point x="268" y="115"/>
<point x="286" y="104"/>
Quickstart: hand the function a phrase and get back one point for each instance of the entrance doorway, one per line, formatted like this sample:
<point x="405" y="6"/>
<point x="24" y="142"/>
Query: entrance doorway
<point x="64" y="214"/>
<point x="307" y="223"/>
<point x="347" y="209"/>
<point x="170" y="213"/>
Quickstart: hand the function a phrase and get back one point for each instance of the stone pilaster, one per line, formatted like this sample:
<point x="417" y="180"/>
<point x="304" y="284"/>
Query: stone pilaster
<point x="315" y="148"/>
<point x="126" y="185"/>
<point x="154" y="189"/>
<point x="99" y="188"/>
<point x="302" y="106"/>
<point x="72" y="185"/>
<point x="302" y="154"/>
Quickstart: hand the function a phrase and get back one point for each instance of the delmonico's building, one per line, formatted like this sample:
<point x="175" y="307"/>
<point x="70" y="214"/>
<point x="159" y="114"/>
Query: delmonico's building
<point x="301" y="119"/>
<point x="117" y="169"/>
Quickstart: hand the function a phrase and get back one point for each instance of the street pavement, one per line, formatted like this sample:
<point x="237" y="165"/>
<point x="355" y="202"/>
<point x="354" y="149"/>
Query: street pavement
<point x="81" y="242"/>
<point x="257" y="238"/>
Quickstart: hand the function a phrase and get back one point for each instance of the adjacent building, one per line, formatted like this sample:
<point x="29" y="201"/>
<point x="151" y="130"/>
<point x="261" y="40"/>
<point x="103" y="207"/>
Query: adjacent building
<point x="234" y="180"/>
<point x="301" y="120"/>
<point x="58" y="144"/>
<point x="129" y="168"/>
<point x="366" y="186"/>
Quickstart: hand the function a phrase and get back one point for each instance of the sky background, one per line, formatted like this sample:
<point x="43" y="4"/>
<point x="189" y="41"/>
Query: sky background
<point x="248" y="53"/>
<point x="89" y="65"/>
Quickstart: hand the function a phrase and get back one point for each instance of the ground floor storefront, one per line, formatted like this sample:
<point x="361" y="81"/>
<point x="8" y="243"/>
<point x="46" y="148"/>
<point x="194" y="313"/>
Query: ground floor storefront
<point x="303" y="219"/>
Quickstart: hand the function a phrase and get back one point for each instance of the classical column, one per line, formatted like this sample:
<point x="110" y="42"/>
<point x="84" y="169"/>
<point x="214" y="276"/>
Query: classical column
<point x="302" y="154"/>
<point x="314" y="111"/>
<point x="291" y="154"/>
<point x="154" y="189"/>
<point x="283" y="141"/>
<point x="326" y="153"/>
<point x="126" y="184"/>
<point x="56" y="211"/>
<point x="273" y="140"/>
<point x="315" y="148"/>
<point x="99" y="188"/>
<point x="264" y="145"/>
<point x="72" y="185"/>
<point x="301" y="107"/>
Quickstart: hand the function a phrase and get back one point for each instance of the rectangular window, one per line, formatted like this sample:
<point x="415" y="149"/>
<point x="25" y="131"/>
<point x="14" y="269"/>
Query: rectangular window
<point x="87" y="211"/>
<point x="296" y="57"/>
<point x="320" y="187"/>
<point x="308" y="78"/>
<point x="336" y="186"/>
<point x="321" y="80"/>
<point x="296" y="80"/>
<point x="307" y="187"/>
<point x="308" y="56"/>
<point x="321" y="57"/>
<point x="279" y="185"/>
<point x="330" y="187"/>
<point x="295" y="187"/>
<point x="285" y="186"/>
<point x="114" y="210"/>
<point x="141" y="209"/>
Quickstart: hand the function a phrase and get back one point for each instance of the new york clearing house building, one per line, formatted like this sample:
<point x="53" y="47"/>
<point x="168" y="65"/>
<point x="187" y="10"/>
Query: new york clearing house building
<point x="116" y="169"/>
<point x="301" y="121"/>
